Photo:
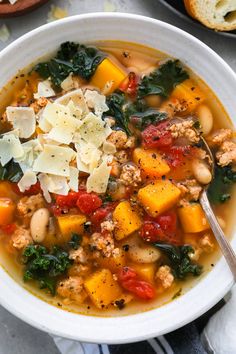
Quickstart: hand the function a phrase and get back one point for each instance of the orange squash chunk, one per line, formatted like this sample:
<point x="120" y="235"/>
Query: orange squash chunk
<point x="150" y="162"/>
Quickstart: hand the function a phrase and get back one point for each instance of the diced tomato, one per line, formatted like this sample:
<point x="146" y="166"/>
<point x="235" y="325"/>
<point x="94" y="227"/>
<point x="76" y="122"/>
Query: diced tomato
<point x="9" y="229"/>
<point x="129" y="281"/>
<point x="129" y="85"/>
<point x="57" y="210"/>
<point x="101" y="213"/>
<point x="168" y="222"/>
<point x="69" y="200"/>
<point x="34" y="189"/>
<point x="161" y="229"/>
<point x="126" y="273"/>
<point x="177" y="154"/>
<point x="157" y="136"/>
<point x="140" y="288"/>
<point x="151" y="231"/>
<point x="88" y="202"/>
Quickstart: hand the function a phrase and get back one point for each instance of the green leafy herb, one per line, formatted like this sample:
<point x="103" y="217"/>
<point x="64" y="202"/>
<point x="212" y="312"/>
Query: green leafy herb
<point x="107" y="198"/>
<point x="11" y="172"/>
<point x="162" y="80"/>
<point x="219" y="189"/>
<point x="151" y="116"/>
<point x="71" y="58"/>
<point x="137" y="113"/>
<point x="179" y="259"/>
<point x="44" y="266"/>
<point x="75" y="241"/>
<point x="116" y="102"/>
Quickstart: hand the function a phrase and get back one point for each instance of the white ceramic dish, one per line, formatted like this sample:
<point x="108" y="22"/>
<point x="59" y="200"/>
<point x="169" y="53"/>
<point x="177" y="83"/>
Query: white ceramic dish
<point x="218" y="75"/>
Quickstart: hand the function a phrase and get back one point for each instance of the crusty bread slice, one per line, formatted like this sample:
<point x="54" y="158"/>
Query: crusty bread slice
<point x="217" y="14"/>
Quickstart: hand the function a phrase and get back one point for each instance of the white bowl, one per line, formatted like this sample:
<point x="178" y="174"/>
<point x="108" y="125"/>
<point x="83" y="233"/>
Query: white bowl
<point x="218" y="75"/>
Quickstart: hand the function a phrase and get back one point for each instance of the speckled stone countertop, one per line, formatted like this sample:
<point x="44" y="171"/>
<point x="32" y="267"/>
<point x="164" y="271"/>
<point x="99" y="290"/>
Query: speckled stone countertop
<point x="16" y="337"/>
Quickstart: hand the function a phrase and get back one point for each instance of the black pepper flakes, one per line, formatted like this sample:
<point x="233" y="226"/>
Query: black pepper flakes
<point x="120" y="304"/>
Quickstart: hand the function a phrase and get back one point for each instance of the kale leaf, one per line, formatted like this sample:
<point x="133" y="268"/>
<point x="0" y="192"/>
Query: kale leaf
<point x="11" y="172"/>
<point x="44" y="266"/>
<point x="75" y="241"/>
<point x="162" y="80"/>
<point x="179" y="259"/>
<point x="137" y="113"/>
<point x="116" y="102"/>
<point x="219" y="189"/>
<point x="71" y="58"/>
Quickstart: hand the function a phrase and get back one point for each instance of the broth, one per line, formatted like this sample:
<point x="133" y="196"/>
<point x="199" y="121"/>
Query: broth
<point x="128" y="57"/>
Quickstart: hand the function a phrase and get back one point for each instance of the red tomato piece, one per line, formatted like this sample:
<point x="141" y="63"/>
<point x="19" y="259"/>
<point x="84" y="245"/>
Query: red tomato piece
<point x="157" y="136"/>
<point x="68" y="200"/>
<point x="126" y="273"/>
<point x="129" y="280"/>
<point x="9" y="229"/>
<point x="151" y="231"/>
<point x="101" y="213"/>
<point x="168" y="222"/>
<point x="57" y="211"/>
<point x="140" y="288"/>
<point x="129" y="85"/>
<point x="88" y="202"/>
<point x="177" y="154"/>
<point x="161" y="229"/>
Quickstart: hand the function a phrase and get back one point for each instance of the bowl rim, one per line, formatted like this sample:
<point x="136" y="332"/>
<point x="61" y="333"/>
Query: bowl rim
<point x="137" y="323"/>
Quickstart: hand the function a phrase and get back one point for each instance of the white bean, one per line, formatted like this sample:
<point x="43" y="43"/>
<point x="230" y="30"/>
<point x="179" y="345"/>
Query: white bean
<point x="201" y="171"/>
<point x="140" y="252"/>
<point x="205" y="117"/>
<point x="38" y="224"/>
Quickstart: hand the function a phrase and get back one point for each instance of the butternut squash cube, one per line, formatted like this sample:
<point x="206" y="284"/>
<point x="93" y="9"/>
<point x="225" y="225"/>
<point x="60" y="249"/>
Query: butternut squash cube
<point x="145" y="271"/>
<point x="150" y="162"/>
<point x="189" y="94"/>
<point x="69" y="224"/>
<point x="158" y="197"/>
<point x="108" y="76"/>
<point x="102" y="288"/>
<point x="113" y="263"/>
<point x="192" y="218"/>
<point x="7" y="208"/>
<point x="127" y="220"/>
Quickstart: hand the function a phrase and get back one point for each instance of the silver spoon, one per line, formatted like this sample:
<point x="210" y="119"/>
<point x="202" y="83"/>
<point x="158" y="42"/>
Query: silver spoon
<point x="224" y="244"/>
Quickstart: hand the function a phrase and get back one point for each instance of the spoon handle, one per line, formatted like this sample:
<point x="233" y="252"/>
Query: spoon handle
<point x="224" y="244"/>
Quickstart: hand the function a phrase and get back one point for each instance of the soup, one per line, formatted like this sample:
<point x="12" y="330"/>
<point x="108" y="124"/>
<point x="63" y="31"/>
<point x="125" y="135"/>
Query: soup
<point x="102" y="167"/>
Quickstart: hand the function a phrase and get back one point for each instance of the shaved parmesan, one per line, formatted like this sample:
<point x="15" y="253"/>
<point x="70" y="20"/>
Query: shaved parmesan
<point x="74" y="179"/>
<point x="10" y="147"/>
<point x="87" y="152"/>
<point x="96" y="101"/>
<point x="44" y="90"/>
<point x="68" y="83"/>
<point x="44" y="181"/>
<point x="98" y="179"/>
<point x="94" y="130"/>
<point x="29" y="179"/>
<point x="31" y="149"/>
<point x="62" y="123"/>
<point x="75" y="111"/>
<point x="108" y="148"/>
<point x="22" y="118"/>
<point x="54" y="160"/>
<point x="76" y="97"/>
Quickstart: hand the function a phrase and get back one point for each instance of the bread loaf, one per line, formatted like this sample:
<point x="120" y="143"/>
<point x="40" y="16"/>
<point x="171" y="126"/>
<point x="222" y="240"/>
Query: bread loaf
<point x="216" y="14"/>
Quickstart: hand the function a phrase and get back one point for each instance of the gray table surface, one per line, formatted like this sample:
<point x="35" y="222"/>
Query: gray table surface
<point x="16" y="337"/>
